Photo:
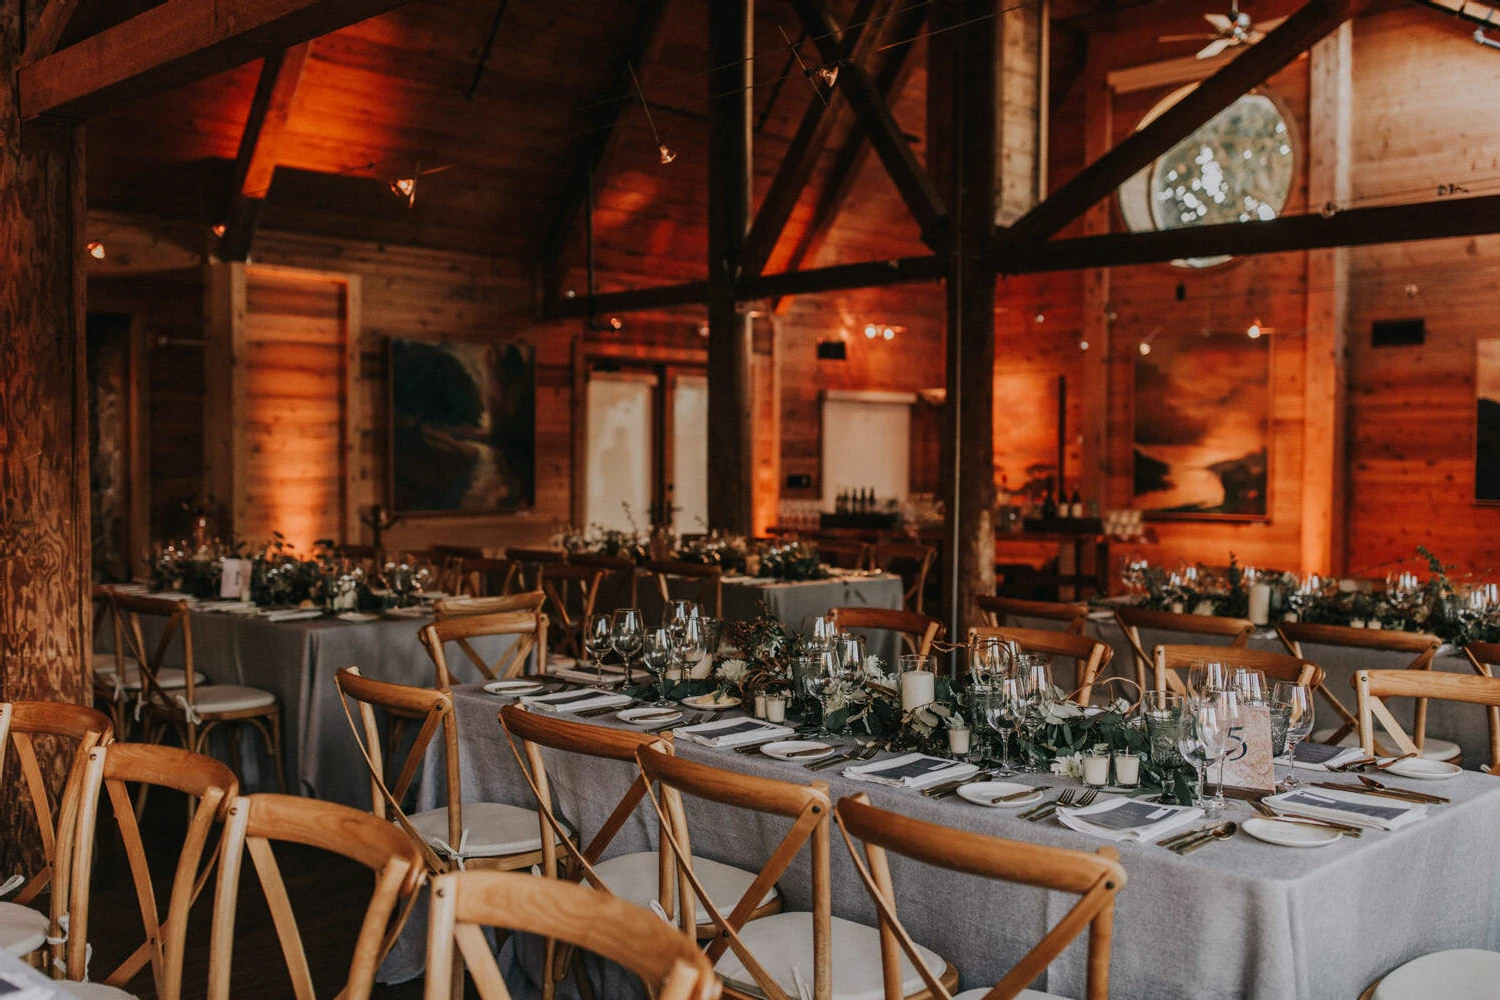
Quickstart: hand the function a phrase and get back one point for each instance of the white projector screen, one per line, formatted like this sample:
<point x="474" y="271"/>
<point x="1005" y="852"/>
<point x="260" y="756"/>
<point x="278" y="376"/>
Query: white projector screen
<point x="866" y="444"/>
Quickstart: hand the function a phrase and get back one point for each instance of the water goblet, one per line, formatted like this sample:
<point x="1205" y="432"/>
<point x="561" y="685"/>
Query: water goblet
<point x="1163" y="712"/>
<point x="688" y="644"/>
<point x="818" y="632"/>
<point x="1249" y="684"/>
<point x="598" y="639"/>
<point x="1300" y="716"/>
<point x="1205" y="676"/>
<point x="656" y="653"/>
<point x="627" y="630"/>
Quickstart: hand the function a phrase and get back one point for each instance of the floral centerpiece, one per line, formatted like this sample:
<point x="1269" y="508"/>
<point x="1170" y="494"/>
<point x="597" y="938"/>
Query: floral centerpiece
<point x="193" y="569"/>
<point x="791" y="561"/>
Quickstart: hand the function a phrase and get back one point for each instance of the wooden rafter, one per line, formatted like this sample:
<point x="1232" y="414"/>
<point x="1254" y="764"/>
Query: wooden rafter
<point x="176" y="43"/>
<point x="910" y="178"/>
<point x="561" y="247"/>
<point x="256" y="162"/>
<point x="851" y="157"/>
<point x="818" y="123"/>
<point x="49" y="30"/>
<point x="1095" y="182"/>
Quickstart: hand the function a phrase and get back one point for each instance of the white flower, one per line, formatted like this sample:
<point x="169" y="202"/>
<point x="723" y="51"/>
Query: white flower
<point x="732" y="670"/>
<point x="1068" y="765"/>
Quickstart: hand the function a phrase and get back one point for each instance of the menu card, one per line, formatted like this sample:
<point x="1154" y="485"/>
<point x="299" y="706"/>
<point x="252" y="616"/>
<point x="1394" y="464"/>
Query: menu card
<point x="1128" y="819"/>
<point x="912" y="770"/>
<point x="733" y="732"/>
<point x="1323" y="756"/>
<point x="1348" y="807"/>
<point x="575" y="701"/>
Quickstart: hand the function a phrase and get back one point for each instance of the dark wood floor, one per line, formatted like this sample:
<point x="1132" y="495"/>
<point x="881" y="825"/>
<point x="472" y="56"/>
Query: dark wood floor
<point x="328" y="896"/>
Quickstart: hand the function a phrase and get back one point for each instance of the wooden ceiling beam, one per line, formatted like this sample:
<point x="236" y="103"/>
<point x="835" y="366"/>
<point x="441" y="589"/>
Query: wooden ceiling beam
<point x="818" y="123"/>
<point x="910" y="177"/>
<point x="49" y="30"/>
<point x="1099" y="179"/>
<point x="560" y="250"/>
<point x="259" y="145"/>
<point x="176" y="43"/>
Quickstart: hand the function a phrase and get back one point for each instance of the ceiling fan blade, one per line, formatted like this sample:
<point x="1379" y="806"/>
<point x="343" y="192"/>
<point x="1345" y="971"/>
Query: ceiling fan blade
<point x="1200" y="37"/>
<point x="1220" y="21"/>
<point x="1214" y="47"/>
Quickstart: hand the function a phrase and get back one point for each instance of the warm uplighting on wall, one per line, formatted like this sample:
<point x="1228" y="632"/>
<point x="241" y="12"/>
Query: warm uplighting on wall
<point x="95" y="249"/>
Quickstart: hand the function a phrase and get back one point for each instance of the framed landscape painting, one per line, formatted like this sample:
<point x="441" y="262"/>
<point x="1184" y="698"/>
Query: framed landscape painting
<point x="1487" y="422"/>
<point x="1202" y="427"/>
<point x="463" y="427"/>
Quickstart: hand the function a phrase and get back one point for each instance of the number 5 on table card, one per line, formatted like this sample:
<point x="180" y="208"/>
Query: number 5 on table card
<point x="1250" y="768"/>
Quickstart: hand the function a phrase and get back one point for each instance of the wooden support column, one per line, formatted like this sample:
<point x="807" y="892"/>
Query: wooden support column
<point x="45" y="621"/>
<point x="1324" y="447"/>
<point x="224" y="477"/>
<point x="731" y="468"/>
<point x="962" y="121"/>
<point x="1095" y="326"/>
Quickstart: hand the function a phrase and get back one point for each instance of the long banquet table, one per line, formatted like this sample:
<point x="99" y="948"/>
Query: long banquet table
<point x="1236" y="919"/>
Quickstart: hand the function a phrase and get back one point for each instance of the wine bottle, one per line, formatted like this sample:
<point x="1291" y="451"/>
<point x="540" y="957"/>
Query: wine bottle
<point x="1049" y="504"/>
<point x="1076" y="506"/>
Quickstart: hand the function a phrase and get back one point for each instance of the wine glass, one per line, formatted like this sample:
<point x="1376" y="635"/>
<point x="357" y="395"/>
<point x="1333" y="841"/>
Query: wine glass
<point x="711" y="629"/>
<point x="831" y="666"/>
<point x="1205" y="676"/>
<point x="688" y="644"/>
<point x="1035" y="694"/>
<point x="598" y="639"/>
<point x="808" y="676"/>
<point x="1299" y="701"/>
<point x="1216" y="718"/>
<point x="1249" y="684"/>
<point x="989" y="659"/>
<point x="656" y="654"/>
<point x="627" y="630"/>
<point x="851" y="650"/>
<point x="818" y="632"/>
<point x="681" y="610"/>
<point x="1002" y="706"/>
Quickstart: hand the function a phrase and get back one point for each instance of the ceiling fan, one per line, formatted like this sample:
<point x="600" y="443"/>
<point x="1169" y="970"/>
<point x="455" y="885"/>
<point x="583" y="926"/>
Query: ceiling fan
<point x="1234" y="28"/>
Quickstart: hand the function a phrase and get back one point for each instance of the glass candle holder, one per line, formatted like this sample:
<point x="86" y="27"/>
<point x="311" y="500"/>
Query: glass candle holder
<point x="1127" y="770"/>
<point x="775" y="707"/>
<point x="1096" y="768"/>
<point x="958" y="740"/>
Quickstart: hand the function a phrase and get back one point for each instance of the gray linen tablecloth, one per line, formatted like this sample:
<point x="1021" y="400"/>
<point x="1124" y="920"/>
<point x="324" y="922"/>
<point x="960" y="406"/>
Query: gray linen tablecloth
<point x="296" y="661"/>
<point x="1236" y="919"/>
<point x="793" y="602"/>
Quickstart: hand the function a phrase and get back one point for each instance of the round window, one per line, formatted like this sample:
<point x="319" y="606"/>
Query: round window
<point x="1235" y="168"/>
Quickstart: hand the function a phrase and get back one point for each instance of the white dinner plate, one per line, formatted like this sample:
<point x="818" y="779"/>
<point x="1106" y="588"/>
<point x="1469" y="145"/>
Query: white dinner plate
<point x="1428" y="770"/>
<point x="1285" y="833"/>
<point x="801" y="751"/>
<point x="706" y="703"/>
<point x="432" y="595"/>
<point x="658" y="715"/>
<point x="981" y="792"/>
<point x="513" y="688"/>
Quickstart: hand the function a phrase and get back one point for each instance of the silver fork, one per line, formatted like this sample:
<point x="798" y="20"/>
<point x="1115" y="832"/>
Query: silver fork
<point x="1064" y="798"/>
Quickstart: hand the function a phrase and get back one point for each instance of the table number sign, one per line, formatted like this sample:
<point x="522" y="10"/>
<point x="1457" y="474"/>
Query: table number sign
<point x="235" y="581"/>
<point x="1249" y="768"/>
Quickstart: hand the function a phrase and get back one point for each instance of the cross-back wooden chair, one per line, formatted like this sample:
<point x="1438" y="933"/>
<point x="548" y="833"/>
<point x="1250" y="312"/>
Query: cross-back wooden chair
<point x="1482" y="657"/>
<point x="1421" y="646"/>
<point x="529" y="628"/>
<point x="621" y="581"/>
<point x="1373" y="687"/>
<point x="640" y="877"/>
<point x="483" y="577"/>
<point x="765" y="958"/>
<point x="1132" y="620"/>
<point x="23" y="929"/>
<point x="533" y="561"/>
<point x="999" y="609"/>
<point x="918" y="631"/>
<point x="571" y="592"/>
<point x="461" y="607"/>
<point x="1171" y="661"/>
<point x="843" y="553"/>
<point x="668" y="963"/>
<point x="908" y="560"/>
<point x="109" y="768"/>
<point x="1090" y="656"/>
<point x="701" y="574"/>
<point x="193" y="712"/>
<point x="254" y="823"/>
<point x="1096" y="878"/>
<point x="460" y="834"/>
<point x="459" y="551"/>
<point x="117" y="674"/>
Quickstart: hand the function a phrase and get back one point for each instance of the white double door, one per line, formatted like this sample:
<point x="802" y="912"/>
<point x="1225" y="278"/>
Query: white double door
<point x="647" y="449"/>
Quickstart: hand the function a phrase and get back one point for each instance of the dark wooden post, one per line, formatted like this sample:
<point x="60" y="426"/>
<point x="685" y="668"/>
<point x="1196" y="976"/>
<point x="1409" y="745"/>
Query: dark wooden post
<point x="962" y="118"/>
<point x="730" y="465"/>
<point x="44" y="501"/>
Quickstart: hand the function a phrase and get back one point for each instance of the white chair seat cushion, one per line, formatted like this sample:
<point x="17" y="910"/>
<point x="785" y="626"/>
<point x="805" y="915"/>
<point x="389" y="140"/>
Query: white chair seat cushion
<point x="1023" y="995"/>
<point x="103" y="664"/>
<point x="22" y="929"/>
<point x="1460" y="974"/>
<point x="492" y="829"/>
<point x="170" y="678"/>
<point x="214" y="698"/>
<point x="784" y="941"/>
<point x="1432" y="747"/>
<point x="633" y="877"/>
<point x="94" y="991"/>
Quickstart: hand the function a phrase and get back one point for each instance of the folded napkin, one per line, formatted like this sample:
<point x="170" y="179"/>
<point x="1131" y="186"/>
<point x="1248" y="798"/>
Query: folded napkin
<point x="912" y="770"/>
<point x="611" y="675"/>
<point x="1350" y="807"/>
<point x="1324" y="756"/>
<point x="733" y="732"/>
<point x="575" y="700"/>
<point x="293" y="614"/>
<point x="1128" y="819"/>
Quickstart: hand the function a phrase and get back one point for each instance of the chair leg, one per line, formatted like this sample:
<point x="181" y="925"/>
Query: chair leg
<point x="269" y="727"/>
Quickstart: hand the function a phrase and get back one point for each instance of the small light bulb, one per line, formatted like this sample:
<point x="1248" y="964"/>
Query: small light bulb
<point x="871" y="331"/>
<point x="1254" y="331"/>
<point x="219" y="230"/>
<point x="1145" y="348"/>
<point x="403" y="186"/>
<point x="1083" y="345"/>
<point x="667" y="155"/>
<point x="1411" y="291"/>
<point x="95" y="249"/>
<point x="888" y="333"/>
<point x="829" y="75"/>
<point x="616" y="323"/>
<point x="1040" y="317"/>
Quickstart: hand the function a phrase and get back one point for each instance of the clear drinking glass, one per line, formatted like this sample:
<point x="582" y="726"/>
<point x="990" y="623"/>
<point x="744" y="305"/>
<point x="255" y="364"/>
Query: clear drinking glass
<point x="807" y="673"/>
<point x="681" y="610"/>
<point x="656" y="653"/>
<point x="598" y="639"/>
<point x="1162" y="711"/>
<point x="1036" y="693"/>
<point x="851" y="649"/>
<point x="1203" y="677"/>
<point x="627" y="631"/>
<point x="989" y="659"/>
<point x="1249" y="684"/>
<point x="831" y="666"/>
<point x="1213" y="719"/>
<point x="1300" y="717"/>
<point x="687" y="643"/>
<point x="818" y="632"/>
<point x="711" y="628"/>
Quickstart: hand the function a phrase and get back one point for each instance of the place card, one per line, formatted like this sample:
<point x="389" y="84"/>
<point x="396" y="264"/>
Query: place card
<point x="1250" y="768"/>
<point x="234" y="581"/>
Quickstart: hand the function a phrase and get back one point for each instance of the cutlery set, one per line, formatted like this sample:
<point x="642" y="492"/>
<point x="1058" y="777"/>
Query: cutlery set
<point x="1067" y="799"/>
<point x="948" y="788"/>
<point x="863" y="753"/>
<point x="1185" y="843"/>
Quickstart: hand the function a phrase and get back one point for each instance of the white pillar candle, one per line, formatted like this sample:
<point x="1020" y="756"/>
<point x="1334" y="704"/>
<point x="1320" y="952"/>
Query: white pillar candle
<point x="702" y="668"/>
<point x="775" y="707"/>
<point x="1260" y="603"/>
<point x="760" y="706"/>
<point x="1375" y="623"/>
<point x="1356" y="623"/>
<point x="1096" y="769"/>
<point x="918" y="688"/>
<point x="1127" y="770"/>
<point x="1176" y="607"/>
<point x="958" y="740"/>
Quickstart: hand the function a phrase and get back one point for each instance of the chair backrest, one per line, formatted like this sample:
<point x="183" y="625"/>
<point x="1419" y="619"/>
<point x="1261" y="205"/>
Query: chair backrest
<point x="571" y="592"/>
<point x="56" y="815"/>
<point x="253" y="823"/>
<point x="1372" y="686"/>
<point x="1096" y="878"/>
<point x="1090" y="655"/>
<point x="536" y="730"/>
<point x="919" y="631"/>
<point x="909" y="560"/>
<point x="669" y="963"/>
<point x="532" y="561"/>
<point x="128" y="609"/>
<point x="404" y="704"/>
<point x="462" y="607"/>
<point x="1168" y="660"/>
<point x="110" y="768"/>
<point x="807" y="806"/>
<point x="464" y="552"/>
<point x="622" y="569"/>
<point x="1132" y="620"/>
<point x="481" y="577"/>
<point x="1000" y="608"/>
<point x="1482" y="657"/>
<point x="529" y="628"/>
<point x="1421" y="646"/>
<point x="845" y="553"/>
<point x="663" y="570"/>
